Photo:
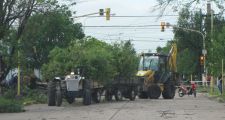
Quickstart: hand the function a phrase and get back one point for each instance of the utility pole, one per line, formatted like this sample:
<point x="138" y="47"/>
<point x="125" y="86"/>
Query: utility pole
<point x="18" y="77"/>
<point x="210" y="12"/>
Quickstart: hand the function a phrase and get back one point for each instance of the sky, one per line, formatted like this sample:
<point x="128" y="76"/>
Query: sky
<point x="143" y="38"/>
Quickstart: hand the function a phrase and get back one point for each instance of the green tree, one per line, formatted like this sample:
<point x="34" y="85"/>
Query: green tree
<point x="178" y="5"/>
<point x="189" y="43"/>
<point x="125" y="60"/>
<point x="14" y="15"/>
<point x="44" y="32"/>
<point x="103" y="62"/>
<point x="94" y="55"/>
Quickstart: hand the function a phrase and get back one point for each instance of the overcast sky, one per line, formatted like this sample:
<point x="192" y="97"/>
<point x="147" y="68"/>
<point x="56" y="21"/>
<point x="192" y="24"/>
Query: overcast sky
<point x="144" y="39"/>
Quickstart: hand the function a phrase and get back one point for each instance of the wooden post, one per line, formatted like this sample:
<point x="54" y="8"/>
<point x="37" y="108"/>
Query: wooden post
<point x="212" y="85"/>
<point x="18" y="77"/>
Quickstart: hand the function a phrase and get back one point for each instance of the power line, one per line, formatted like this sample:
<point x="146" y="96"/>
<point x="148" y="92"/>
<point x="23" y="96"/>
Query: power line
<point x="126" y="28"/>
<point x="134" y="40"/>
<point x="131" y="16"/>
<point x="122" y="26"/>
<point x="125" y="36"/>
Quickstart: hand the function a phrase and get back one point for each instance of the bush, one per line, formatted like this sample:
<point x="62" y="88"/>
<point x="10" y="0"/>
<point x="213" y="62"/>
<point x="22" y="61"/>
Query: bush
<point x="34" y="96"/>
<point x="10" y="105"/>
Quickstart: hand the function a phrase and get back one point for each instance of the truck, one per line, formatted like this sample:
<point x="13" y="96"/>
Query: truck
<point x="157" y="74"/>
<point x="77" y="85"/>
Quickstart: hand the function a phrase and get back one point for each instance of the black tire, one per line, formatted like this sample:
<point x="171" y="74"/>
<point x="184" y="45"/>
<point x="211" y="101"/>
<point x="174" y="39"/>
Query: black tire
<point x="70" y="97"/>
<point x="154" y="92"/>
<point x="118" y="95"/>
<point x="86" y="84"/>
<point x="180" y="93"/>
<point x="143" y="95"/>
<point x="169" y="91"/>
<point x="108" y="95"/>
<point x="132" y="95"/>
<point x="173" y="88"/>
<point x="58" y="95"/>
<point x="51" y="93"/>
<point x="87" y="97"/>
<point x="97" y="96"/>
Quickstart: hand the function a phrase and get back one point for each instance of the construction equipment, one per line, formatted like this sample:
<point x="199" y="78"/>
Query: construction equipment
<point x="157" y="74"/>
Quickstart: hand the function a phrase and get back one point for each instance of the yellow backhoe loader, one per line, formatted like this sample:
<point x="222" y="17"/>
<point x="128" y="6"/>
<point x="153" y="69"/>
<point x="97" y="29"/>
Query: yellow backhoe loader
<point x="157" y="75"/>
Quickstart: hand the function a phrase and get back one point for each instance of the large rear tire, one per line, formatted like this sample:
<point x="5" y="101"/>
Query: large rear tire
<point x="169" y="91"/>
<point x="51" y="93"/>
<point x="58" y="95"/>
<point x="87" y="97"/>
<point x="154" y="92"/>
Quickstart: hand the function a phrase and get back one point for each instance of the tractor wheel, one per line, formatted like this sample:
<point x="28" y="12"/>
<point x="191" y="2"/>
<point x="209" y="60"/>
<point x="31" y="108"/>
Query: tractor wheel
<point x="132" y="95"/>
<point x="51" y="93"/>
<point x="143" y="95"/>
<point x="97" y="96"/>
<point x="70" y="97"/>
<point x="169" y="91"/>
<point x="87" y="97"/>
<point x="86" y="84"/>
<point x="118" y="95"/>
<point x="108" y="95"/>
<point x="58" y="95"/>
<point x="154" y="92"/>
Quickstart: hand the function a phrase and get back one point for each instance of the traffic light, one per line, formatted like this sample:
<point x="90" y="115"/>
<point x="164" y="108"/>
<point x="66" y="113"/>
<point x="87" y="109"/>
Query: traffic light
<point x="107" y="11"/>
<point x="202" y="60"/>
<point x="101" y="12"/>
<point x="162" y="25"/>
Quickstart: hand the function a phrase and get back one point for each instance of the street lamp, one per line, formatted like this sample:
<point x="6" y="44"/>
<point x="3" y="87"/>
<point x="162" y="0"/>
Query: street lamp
<point x="204" y="52"/>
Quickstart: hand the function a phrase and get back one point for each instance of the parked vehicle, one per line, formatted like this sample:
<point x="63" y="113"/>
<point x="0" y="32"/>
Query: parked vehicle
<point x="187" y="90"/>
<point x="76" y="85"/>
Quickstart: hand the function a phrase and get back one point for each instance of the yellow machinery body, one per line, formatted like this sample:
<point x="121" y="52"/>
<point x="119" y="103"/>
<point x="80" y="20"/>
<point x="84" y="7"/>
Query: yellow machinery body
<point x="156" y="74"/>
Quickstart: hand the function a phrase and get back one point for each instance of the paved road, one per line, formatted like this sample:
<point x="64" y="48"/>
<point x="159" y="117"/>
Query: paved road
<point x="186" y="108"/>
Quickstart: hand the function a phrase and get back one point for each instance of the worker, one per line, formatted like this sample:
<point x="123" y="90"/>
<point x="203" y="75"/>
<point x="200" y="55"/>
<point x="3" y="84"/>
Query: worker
<point x="220" y="83"/>
<point x="193" y="88"/>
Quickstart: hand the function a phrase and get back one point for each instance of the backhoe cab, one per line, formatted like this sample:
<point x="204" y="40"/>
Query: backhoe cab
<point x="157" y="74"/>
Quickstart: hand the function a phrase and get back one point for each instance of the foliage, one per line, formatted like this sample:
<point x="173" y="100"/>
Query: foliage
<point x="186" y="62"/>
<point x="125" y="60"/>
<point x="177" y="5"/>
<point x="10" y="105"/>
<point x="44" y="32"/>
<point x="34" y="96"/>
<point x="91" y="53"/>
<point x="216" y="51"/>
<point x="14" y="15"/>
<point x="166" y="49"/>
<point x="189" y="43"/>
<point x="103" y="62"/>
